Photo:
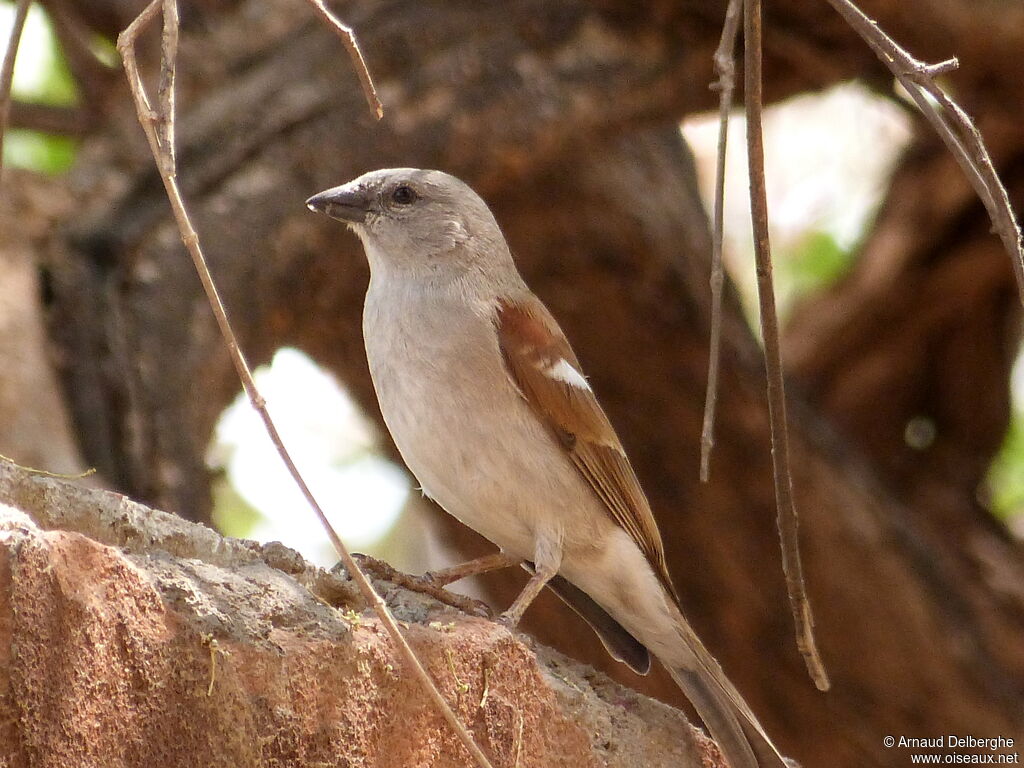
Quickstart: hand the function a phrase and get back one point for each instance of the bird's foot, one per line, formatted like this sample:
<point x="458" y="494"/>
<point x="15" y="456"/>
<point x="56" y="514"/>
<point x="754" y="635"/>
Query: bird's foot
<point x="426" y="584"/>
<point x="508" y="621"/>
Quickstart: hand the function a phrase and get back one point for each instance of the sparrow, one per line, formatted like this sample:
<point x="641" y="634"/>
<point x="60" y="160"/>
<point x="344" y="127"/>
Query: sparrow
<point x="490" y="410"/>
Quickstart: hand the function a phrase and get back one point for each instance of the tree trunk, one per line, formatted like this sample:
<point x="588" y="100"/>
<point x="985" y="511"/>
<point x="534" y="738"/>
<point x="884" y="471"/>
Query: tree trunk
<point x="35" y="428"/>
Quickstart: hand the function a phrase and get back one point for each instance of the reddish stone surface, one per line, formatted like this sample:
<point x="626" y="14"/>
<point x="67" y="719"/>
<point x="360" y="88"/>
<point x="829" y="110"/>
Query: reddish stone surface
<point x="134" y="657"/>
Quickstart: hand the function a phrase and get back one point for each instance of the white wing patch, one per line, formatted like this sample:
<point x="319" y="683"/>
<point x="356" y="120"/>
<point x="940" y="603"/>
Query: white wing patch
<point x="564" y="371"/>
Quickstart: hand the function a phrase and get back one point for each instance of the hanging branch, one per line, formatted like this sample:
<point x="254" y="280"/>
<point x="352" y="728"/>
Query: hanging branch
<point x="787" y="518"/>
<point x="954" y="126"/>
<point x="163" y="122"/>
<point x="348" y="38"/>
<point x="7" y="71"/>
<point x="725" y="66"/>
<point x="158" y="126"/>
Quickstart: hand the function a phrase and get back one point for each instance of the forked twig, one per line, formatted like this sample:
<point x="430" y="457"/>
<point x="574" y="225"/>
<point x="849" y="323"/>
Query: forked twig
<point x="348" y="38"/>
<point x="954" y="126"/>
<point x="7" y="70"/>
<point x="158" y="127"/>
<point x="725" y="66"/>
<point x="787" y="518"/>
<point x="388" y="572"/>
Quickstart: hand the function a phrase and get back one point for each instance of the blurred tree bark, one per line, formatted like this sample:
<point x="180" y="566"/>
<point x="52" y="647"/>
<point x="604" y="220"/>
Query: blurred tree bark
<point x="564" y="116"/>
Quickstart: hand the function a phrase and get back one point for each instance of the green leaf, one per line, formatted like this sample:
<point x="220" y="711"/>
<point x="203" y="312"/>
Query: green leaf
<point x="49" y="81"/>
<point x="58" y="85"/>
<point x="1005" y="479"/>
<point x="38" y="151"/>
<point x="232" y="515"/>
<point x="817" y="262"/>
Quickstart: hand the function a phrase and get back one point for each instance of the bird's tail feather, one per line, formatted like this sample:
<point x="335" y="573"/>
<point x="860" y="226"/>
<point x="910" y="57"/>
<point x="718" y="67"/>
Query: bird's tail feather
<point x="717" y="716"/>
<point x="732" y="723"/>
<point x="742" y="740"/>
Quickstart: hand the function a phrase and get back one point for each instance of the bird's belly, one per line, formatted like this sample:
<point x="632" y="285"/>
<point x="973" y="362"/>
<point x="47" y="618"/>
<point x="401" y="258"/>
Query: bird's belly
<point x="481" y="454"/>
<point x="472" y="486"/>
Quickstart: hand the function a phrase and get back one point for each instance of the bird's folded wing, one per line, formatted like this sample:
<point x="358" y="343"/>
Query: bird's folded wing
<point x="547" y="373"/>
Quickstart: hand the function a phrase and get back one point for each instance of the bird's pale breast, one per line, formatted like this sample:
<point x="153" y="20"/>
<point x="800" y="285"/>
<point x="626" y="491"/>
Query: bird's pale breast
<point x="465" y="431"/>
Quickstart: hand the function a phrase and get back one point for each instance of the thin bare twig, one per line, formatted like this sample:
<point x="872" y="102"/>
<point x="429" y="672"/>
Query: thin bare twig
<point x="725" y="66"/>
<point x="788" y="522"/>
<point x="954" y="126"/>
<point x="7" y="71"/>
<point x="158" y="127"/>
<point x="46" y="473"/>
<point x="352" y="45"/>
<point x="165" y="90"/>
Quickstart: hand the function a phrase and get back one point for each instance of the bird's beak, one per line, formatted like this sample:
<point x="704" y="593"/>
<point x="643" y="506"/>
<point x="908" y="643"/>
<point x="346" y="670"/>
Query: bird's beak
<point x="342" y="203"/>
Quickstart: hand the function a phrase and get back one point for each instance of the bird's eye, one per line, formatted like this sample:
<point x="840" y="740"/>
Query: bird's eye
<point x="403" y="195"/>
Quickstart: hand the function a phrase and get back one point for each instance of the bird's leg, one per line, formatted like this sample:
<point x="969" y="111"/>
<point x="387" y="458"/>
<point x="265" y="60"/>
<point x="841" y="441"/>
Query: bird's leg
<point x="474" y="567"/>
<point x="546" y="560"/>
<point x="542" y="574"/>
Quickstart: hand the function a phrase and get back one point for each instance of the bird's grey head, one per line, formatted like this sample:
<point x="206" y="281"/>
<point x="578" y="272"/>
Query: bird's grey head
<point x="419" y="221"/>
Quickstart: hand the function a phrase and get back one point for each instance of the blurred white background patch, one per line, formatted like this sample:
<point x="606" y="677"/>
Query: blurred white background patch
<point x="333" y="445"/>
